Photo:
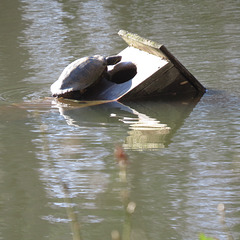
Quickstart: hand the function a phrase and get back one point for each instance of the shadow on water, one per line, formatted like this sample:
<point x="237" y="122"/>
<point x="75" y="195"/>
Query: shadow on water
<point x="150" y="125"/>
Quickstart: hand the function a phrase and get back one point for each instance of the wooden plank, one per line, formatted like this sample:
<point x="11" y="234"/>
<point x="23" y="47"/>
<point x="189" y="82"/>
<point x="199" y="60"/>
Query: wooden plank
<point x="149" y="86"/>
<point x="183" y="70"/>
<point x="161" y="51"/>
<point x="141" y="43"/>
<point x="167" y="81"/>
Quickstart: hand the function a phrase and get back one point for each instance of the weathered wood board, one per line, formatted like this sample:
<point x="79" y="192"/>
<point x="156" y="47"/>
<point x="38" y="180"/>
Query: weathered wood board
<point x="159" y="73"/>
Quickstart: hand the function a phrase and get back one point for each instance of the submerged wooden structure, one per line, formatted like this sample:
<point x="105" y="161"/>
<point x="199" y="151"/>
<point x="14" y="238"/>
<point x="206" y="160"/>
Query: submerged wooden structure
<point x="159" y="74"/>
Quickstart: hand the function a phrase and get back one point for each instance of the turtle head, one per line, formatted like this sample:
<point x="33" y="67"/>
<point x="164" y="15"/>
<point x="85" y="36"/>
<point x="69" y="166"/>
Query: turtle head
<point x="111" y="60"/>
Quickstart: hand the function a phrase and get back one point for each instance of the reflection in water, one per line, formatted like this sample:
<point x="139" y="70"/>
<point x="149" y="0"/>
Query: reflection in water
<point x="144" y="132"/>
<point x="168" y="188"/>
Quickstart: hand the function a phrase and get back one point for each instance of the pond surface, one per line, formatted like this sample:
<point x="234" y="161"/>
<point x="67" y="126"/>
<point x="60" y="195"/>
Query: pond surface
<point x="182" y="163"/>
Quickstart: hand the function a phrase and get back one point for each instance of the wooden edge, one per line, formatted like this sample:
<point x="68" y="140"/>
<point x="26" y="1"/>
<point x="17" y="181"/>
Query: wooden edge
<point x="199" y="87"/>
<point x="159" y="50"/>
<point x="141" y="43"/>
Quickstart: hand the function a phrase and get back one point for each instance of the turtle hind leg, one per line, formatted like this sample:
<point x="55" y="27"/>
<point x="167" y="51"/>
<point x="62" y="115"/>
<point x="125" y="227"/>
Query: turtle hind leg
<point x="111" y="60"/>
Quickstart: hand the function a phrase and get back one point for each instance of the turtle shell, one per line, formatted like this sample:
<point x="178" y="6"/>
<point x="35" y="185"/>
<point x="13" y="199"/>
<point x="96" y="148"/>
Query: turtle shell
<point x="79" y="75"/>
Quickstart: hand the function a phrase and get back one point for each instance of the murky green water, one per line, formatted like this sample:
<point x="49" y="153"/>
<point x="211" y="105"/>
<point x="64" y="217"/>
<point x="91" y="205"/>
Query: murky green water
<point x="178" y="172"/>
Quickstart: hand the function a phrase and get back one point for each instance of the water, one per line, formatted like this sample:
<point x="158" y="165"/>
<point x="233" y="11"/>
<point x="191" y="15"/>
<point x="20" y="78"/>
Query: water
<point x="180" y="169"/>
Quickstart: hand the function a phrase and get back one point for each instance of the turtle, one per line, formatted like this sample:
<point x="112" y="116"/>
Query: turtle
<point x="81" y="74"/>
